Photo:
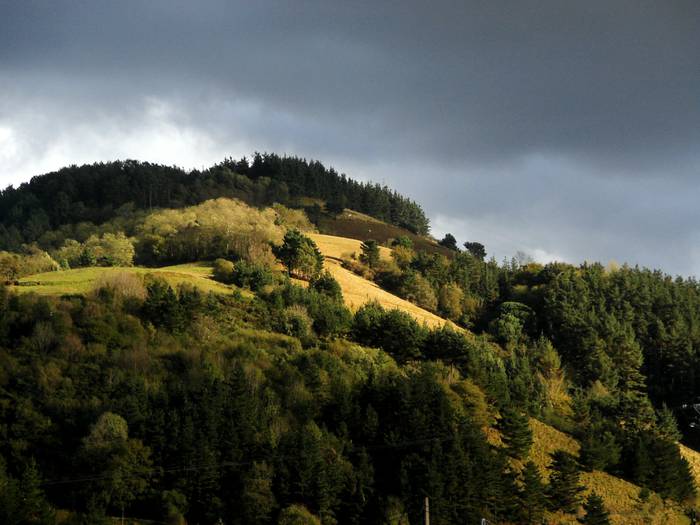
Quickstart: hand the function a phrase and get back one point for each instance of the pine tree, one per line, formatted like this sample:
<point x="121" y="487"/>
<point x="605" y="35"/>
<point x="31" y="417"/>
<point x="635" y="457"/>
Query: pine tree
<point x="599" y="448"/>
<point x="596" y="514"/>
<point x="564" y="485"/>
<point x="370" y="253"/>
<point x="532" y="497"/>
<point x="666" y="425"/>
<point x="672" y="477"/>
<point x="33" y="505"/>
<point x="515" y="432"/>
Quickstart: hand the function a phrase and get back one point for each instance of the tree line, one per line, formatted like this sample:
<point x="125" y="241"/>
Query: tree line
<point x="96" y="193"/>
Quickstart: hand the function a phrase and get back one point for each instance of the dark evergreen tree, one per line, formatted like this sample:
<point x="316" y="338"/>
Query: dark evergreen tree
<point x="476" y="250"/>
<point x="326" y="284"/>
<point x="370" y="253"/>
<point x="564" y="487"/>
<point x="532" y="495"/>
<point x="596" y="514"/>
<point x="449" y="241"/>
<point x="336" y="204"/>
<point x="599" y="448"/>
<point x="515" y="431"/>
<point x="300" y="255"/>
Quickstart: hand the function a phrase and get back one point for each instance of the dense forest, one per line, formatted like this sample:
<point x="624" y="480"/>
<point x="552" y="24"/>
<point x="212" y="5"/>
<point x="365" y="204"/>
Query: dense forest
<point x="277" y="404"/>
<point x="98" y="192"/>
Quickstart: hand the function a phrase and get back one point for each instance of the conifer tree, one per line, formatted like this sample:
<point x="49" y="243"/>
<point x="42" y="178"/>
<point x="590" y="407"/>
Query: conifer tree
<point x="564" y="485"/>
<point x="33" y="507"/>
<point x="532" y="496"/>
<point x="596" y="514"/>
<point x="515" y="432"/>
<point x="666" y="425"/>
<point x="598" y="448"/>
<point x="370" y="253"/>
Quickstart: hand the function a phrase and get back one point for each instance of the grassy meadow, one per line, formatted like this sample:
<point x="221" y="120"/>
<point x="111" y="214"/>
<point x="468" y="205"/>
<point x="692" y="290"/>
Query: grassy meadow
<point x="83" y="280"/>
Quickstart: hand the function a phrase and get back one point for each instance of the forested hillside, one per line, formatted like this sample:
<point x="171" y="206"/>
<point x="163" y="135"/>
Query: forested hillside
<point x="262" y="398"/>
<point x="99" y="192"/>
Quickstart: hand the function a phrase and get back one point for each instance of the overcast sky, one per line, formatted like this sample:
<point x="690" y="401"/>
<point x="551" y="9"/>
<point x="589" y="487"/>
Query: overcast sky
<point x="568" y="130"/>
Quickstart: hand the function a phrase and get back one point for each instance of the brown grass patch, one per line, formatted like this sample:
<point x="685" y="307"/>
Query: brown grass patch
<point x="621" y="497"/>
<point x="355" y="225"/>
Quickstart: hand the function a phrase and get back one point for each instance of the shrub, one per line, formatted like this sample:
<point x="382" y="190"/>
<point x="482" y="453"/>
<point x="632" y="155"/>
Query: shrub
<point x="450" y="301"/>
<point x="417" y="289"/>
<point x="297" y="323"/>
<point x="326" y="284"/>
<point x="15" y="265"/>
<point x="394" y="331"/>
<point x="253" y="275"/>
<point x="223" y="271"/>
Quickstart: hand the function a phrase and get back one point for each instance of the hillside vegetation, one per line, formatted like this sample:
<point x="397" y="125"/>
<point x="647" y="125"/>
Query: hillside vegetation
<point x="220" y="361"/>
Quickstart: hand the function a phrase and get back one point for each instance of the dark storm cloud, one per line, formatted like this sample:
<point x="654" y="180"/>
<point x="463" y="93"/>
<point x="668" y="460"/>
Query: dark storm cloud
<point x="521" y="114"/>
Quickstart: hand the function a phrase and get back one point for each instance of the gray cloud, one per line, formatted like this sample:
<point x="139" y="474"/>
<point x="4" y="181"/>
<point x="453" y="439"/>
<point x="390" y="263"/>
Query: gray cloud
<point x="569" y="129"/>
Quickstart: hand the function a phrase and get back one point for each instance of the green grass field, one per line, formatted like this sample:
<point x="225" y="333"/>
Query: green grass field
<point x="83" y="280"/>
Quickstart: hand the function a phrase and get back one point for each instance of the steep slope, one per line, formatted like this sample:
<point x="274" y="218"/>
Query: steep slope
<point x="358" y="291"/>
<point x="355" y="225"/>
<point x="621" y="497"/>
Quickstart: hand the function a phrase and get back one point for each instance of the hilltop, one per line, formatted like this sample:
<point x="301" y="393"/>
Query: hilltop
<point x="234" y="358"/>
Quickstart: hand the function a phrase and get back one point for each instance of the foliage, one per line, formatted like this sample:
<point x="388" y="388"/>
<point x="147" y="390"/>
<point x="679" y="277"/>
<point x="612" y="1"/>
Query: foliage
<point x="596" y="514"/>
<point x="220" y="228"/>
<point x="475" y="249"/>
<point x="326" y="284"/>
<point x="417" y="289"/>
<point x="96" y="193"/>
<point x="515" y="432"/>
<point x="449" y="241"/>
<point x="532" y="494"/>
<point x="16" y="265"/>
<point x="564" y="488"/>
<point x="300" y="255"/>
<point x="450" y="300"/>
<point x="394" y="331"/>
<point x="106" y="250"/>
<point x="370" y="253"/>
<point x="243" y="273"/>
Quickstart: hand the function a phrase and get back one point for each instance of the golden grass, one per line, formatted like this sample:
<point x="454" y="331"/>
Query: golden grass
<point x="83" y="280"/>
<point x="358" y="291"/>
<point x="342" y="247"/>
<point x="621" y="497"/>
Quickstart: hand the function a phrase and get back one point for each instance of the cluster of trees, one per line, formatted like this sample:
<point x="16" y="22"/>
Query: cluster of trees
<point x="96" y="193"/>
<point x="313" y="179"/>
<point x="219" y="228"/>
<point x="628" y="339"/>
<point x="108" y="249"/>
<point x="28" y="261"/>
<point x="173" y="404"/>
<point x="460" y="288"/>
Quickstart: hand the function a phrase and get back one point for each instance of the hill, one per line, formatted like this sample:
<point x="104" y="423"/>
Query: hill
<point x="620" y="497"/>
<point x="269" y="384"/>
<point x="101" y="192"/>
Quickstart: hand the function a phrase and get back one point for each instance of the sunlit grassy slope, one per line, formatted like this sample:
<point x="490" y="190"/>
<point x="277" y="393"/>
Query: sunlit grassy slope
<point x="83" y="280"/>
<point x="356" y="290"/>
<point x="621" y="497"/>
<point x="342" y="247"/>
